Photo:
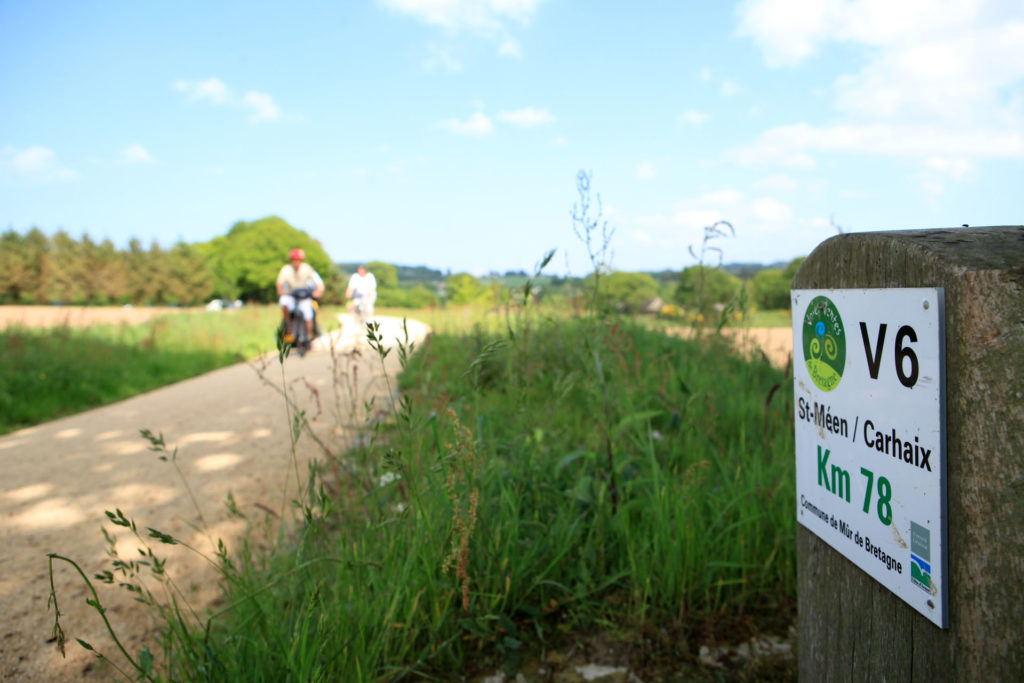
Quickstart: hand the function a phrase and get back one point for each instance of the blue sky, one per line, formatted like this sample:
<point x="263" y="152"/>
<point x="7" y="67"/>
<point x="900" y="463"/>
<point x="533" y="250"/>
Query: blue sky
<point x="449" y="132"/>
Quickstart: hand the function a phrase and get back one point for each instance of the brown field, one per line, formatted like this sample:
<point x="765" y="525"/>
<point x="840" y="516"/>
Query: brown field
<point x="79" y="316"/>
<point x="774" y="343"/>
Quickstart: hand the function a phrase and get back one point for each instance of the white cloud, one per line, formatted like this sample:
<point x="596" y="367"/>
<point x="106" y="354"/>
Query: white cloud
<point x="646" y="171"/>
<point x="792" y="144"/>
<point x="726" y="87"/>
<point x="136" y="154"/>
<point x="790" y="31"/>
<point x="940" y="82"/>
<point x="932" y="188"/>
<point x="777" y="182"/>
<point x="36" y="162"/>
<point x="683" y="227"/>
<point x="693" y="117"/>
<point x="440" y="57"/>
<point x="965" y="77"/>
<point x="787" y="31"/>
<point x="478" y="15"/>
<point x="957" y="169"/>
<point x="261" y="105"/>
<point x="939" y="59"/>
<point x="767" y="210"/>
<point x="727" y="197"/>
<point x="510" y="48"/>
<point x="33" y="160"/>
<point x="212" y="89"/>
<point x="490" y="19"/>
<point x="526" y="117"/>
<point x="941" y="169"/>
<point x="476" y="125"/>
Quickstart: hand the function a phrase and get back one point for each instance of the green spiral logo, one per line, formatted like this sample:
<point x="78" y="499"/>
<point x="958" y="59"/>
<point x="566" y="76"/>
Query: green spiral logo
<point x="824" y="343"/>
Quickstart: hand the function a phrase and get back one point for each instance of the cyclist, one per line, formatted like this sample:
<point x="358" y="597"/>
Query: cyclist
<point x="295" y="275"/>
<point x="362" y="289"/>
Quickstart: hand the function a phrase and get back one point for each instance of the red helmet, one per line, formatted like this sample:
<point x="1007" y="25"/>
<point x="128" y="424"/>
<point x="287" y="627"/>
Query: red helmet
<point x="297" y="254"/>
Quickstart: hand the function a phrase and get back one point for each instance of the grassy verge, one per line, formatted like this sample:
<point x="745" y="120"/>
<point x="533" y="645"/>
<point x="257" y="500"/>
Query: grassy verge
<point x="48" y="373"/>
<point x="557" y="478"/>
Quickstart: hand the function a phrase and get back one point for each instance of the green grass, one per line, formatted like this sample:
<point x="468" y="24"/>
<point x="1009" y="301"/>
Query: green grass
<point x="769" y="319"/>
<point x="49" y="373"/>
<point x="460" y="318"/>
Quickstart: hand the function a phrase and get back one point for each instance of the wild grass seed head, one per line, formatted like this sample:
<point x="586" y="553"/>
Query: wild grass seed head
<point x="463" y="463"/>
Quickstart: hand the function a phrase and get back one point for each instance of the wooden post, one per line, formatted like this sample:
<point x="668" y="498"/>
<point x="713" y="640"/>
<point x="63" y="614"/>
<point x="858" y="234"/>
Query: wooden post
<point x="851" y="628"/>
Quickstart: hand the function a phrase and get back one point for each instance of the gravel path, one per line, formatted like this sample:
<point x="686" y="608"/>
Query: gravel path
<point x="231" y="431"/>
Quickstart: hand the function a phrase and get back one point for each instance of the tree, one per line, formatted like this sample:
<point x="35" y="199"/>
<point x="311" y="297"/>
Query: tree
<point x="420" y="296"/>
<point x="156" y="268"/>
<point x="417" y="296"/>
<point x="248" y="259"/>
<point x="189" y="280"/>
<point x="792" y="267"/>
<point x="213" y="253"/>
<point x="138" y="276"/>
<point x="13" y="267"/>
<point x="40" y="267"/>
<point x="385" y="273"/>
<point x="102" y="274"/>
<point x="626" y="292"/>
<point x="770" y="289"/>
<point x="66" y="283"/>
<point x="701" y="287"/>
<point x="463" y="288"/>
<point x="497" y="294"/>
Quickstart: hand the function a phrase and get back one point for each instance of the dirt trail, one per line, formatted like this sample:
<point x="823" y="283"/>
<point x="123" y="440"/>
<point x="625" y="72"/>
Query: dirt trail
<point x="231" y="431"/>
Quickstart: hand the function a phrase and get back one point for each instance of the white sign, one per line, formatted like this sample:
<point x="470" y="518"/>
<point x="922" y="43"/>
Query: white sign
<point x="870" y="415"/>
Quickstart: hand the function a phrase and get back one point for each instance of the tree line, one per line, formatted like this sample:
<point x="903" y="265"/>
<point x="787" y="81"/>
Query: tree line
<point x="244" y="262"/>
<point x="38" y="269"/>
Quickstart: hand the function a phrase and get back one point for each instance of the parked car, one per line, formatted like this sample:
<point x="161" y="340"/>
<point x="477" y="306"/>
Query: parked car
<point x="222" y="304"/>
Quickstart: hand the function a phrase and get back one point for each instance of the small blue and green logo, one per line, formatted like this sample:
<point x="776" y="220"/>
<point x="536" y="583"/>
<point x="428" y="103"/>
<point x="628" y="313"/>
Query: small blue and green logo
<point x="921" y="556"/>
<point x="824" y="343"/>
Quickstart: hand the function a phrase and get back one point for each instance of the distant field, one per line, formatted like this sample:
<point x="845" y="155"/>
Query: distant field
<point x="56" y="360"/>
<point x="79" y="316"/>
<point x="776" y="343"/>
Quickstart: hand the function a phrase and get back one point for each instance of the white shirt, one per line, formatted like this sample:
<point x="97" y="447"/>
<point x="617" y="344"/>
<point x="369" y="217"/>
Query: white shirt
<point x="292" y="279"/>
<point x="363" y="287"/>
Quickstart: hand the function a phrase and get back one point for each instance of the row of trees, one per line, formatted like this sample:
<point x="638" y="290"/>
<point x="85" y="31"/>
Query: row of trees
<point x="243" y="264"/>
<point x="698" y="288"/>
<point x="37" y="269"/>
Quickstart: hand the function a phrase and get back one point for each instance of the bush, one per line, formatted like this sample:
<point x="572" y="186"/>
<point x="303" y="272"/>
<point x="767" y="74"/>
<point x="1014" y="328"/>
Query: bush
<point x="770" y="289"/>
<point x="625" y="292"/>
<point x="701" y="287"/>
<point x="418" y="296"/>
